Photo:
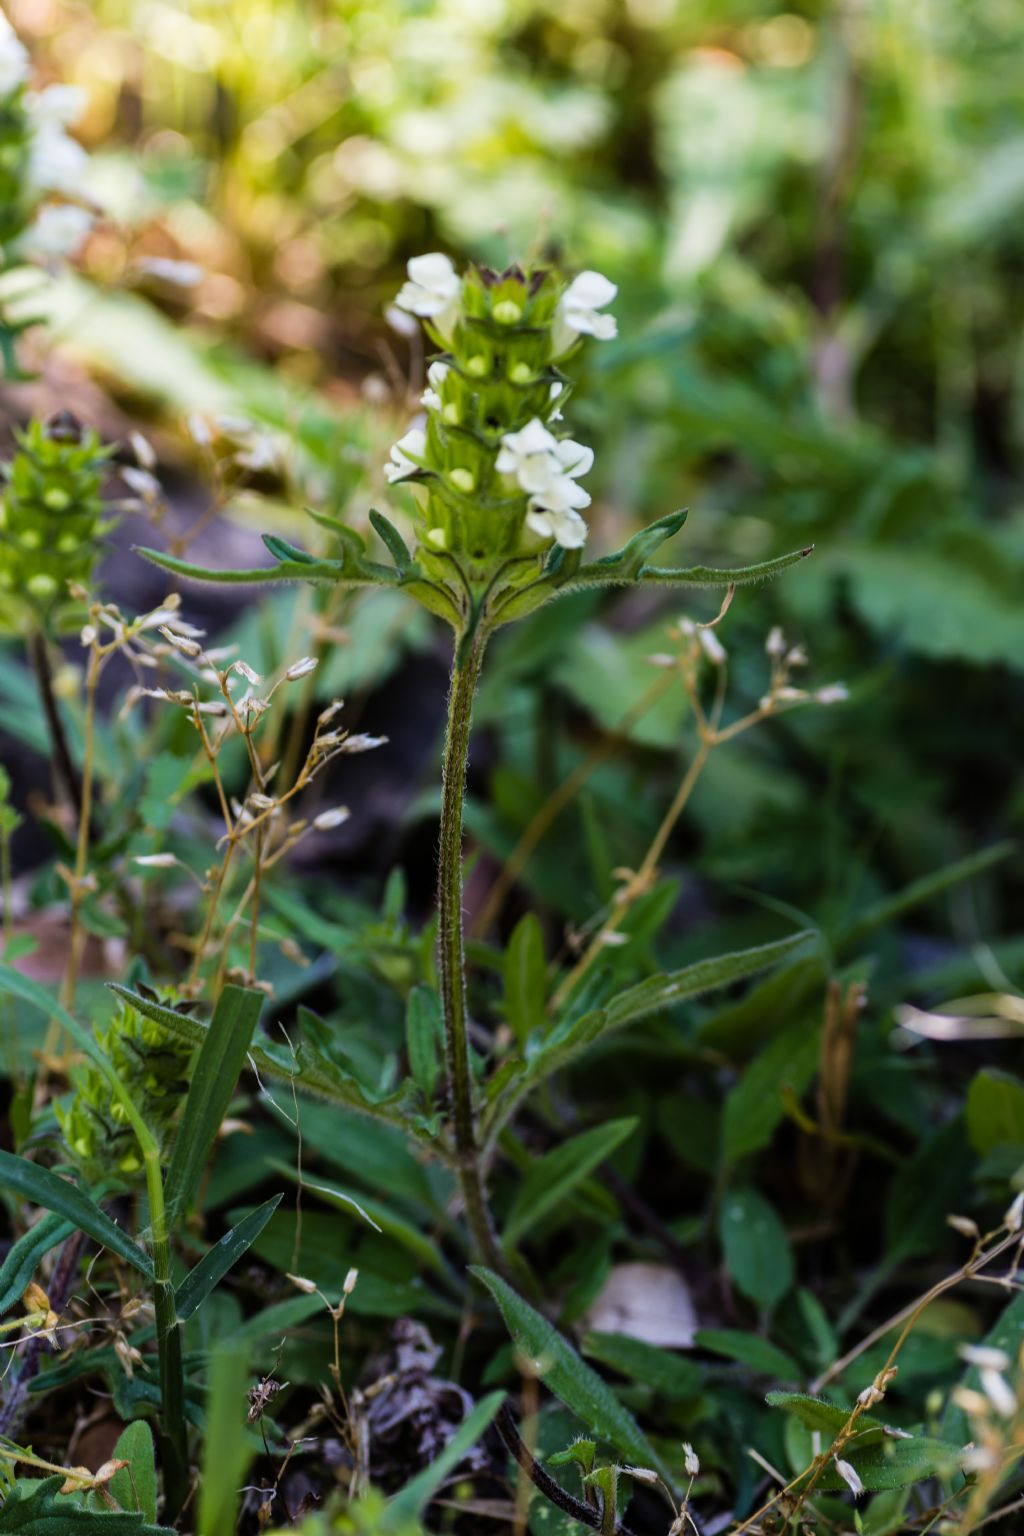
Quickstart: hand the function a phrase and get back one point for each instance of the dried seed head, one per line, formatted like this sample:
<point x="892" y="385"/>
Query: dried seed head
<point x="712" y="647"/>
<point x="180" y="642"/>
<point x="350" y="1282"/>
<point x="691" y="1461"/>
<point x="775" y="644"/>
<point x="307" y="1287"/>
<point x="362" y="743"/>
<point x="247" y="672"/>
<point x="143" y="450"/>
<point x="1014" y="1218"/>
<point x="333" y="818"/>
<point x="832" y="693"/>
<point x="35" y="1299"/>
<point x="301" y="668"/>
<point x="156" y="860"/>
<point x="964" y="1225"/>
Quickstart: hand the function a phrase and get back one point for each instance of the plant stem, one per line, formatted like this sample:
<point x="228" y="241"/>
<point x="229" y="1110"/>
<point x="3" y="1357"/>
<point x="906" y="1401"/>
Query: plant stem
<point x="39" y="655"/>
<point x="451" y="956"/>
<point x="173" y="1434"/>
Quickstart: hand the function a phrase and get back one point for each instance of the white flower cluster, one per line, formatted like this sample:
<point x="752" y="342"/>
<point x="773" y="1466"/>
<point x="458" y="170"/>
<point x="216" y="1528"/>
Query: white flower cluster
<point x="548" y="468"/>
<point x="56" y="162"/>
<point x="432" y="291"/>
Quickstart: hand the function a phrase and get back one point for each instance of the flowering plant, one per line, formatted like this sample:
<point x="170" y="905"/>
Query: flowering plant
<point x="498" y="533"/>
<point x="41" y="168"/>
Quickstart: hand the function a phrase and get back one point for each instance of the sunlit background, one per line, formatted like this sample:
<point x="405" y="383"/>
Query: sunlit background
<point x="814" y="219"/>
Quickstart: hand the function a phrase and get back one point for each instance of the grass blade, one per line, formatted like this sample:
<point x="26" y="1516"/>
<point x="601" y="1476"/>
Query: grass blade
<point x="44" y="1188"/>
<point x="213" y="1266"/>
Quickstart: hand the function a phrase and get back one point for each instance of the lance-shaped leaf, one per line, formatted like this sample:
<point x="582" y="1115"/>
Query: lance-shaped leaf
<point x="214" y="1076"/>
<point x="627" y="563"/>
<point x="552" y="1358"/>
<point x="389" y="534"/>
<point x="44" y="1188"/>
<point x="225" y="1253"/>
<point x="599" y="575"/>
<point x="285" y="570"/>
<point x="569" y="1039"/>
<point x="25" y="1255"/>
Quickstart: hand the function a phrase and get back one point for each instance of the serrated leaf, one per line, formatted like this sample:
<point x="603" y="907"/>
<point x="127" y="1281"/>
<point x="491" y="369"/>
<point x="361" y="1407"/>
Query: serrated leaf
<point x="225" y="1253"/>
<point x="552" y="1358"/>
<point x="554" y="1176"/>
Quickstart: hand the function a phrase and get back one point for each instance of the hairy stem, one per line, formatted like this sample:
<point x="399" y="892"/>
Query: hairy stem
<point x="451" y="956"/>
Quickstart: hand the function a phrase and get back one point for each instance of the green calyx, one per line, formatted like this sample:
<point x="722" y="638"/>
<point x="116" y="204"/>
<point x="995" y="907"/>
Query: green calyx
<point x="154" y="1067"/>
<point x="494" y="480"/>
<point x="51" y="513"/>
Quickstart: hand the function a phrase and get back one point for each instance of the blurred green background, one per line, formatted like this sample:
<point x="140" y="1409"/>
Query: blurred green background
<point x="813" y="214"/>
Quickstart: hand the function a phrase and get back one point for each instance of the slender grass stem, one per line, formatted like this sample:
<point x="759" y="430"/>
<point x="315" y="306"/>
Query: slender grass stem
<point x="451" y="950"/>
<point x="39" y="655"/>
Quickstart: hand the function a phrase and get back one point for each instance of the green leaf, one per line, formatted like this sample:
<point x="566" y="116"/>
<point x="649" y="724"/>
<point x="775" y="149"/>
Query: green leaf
<point x="880" y="913"/>
<point x="995" y="1110"/>
<point x="225" y="1253"/>
<point x="424" y="1038"/>
<point x="749" y="1349"/>
<point x="390" y="535"/>
<point x="1007" y="1334"/>
<point x="755" y="1106"/>
<point x="627" y="562"/>
<point x="670" y="1375"/>
<point x="44" y="1188"/>
<point x="525" y="978"/>
<point x="227" y="1446"/>
<point x="286" y="553"/>
<point x="694" y="575"/>
<point x="821" y="1416"/>
<point x="410" y="1502"/>
<point x="555" y="1175"/>
<point x="25" y="1255"/>
<point x="757" y="1251"/>
<point x="556" y="1363"/>
<point x="40" y="1509"/>
<point x="285" y="570"/>
<point x="571" y="1037"/>
<point x="214" y="1077"/>
<point x="134" y="1487"/>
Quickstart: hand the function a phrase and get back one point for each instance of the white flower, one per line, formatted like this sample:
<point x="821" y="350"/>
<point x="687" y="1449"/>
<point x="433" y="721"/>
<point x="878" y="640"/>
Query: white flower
<point x="832" y="693"/>
<point x="436" y="375"/>
<point x="557" y="388"/>
<point x="985" y="1357"/>
<point x="577" y="313"/>
<point x="301" y="668"/>
<point x="1014" y="1217"/>
<point x="566" y="527"/>
<point x="432" y="291"/>
<point x="849" y="1477"/>
<point x="13" y="59"/>
<point x="401" y="464"/>
<point x="539" y="461"/>
<point x="692" y="1461"/>
<point x="62" y="104"/>
<point x="529" y="455"/>
<point x="56" y="232"/>
<point x="56" y="161"/>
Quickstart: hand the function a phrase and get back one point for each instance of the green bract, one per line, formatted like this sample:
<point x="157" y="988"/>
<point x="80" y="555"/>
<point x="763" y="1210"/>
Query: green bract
<point x="154" y="1067"/>
<point x="498" y="530"/>
<point x="51" y="515"/>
